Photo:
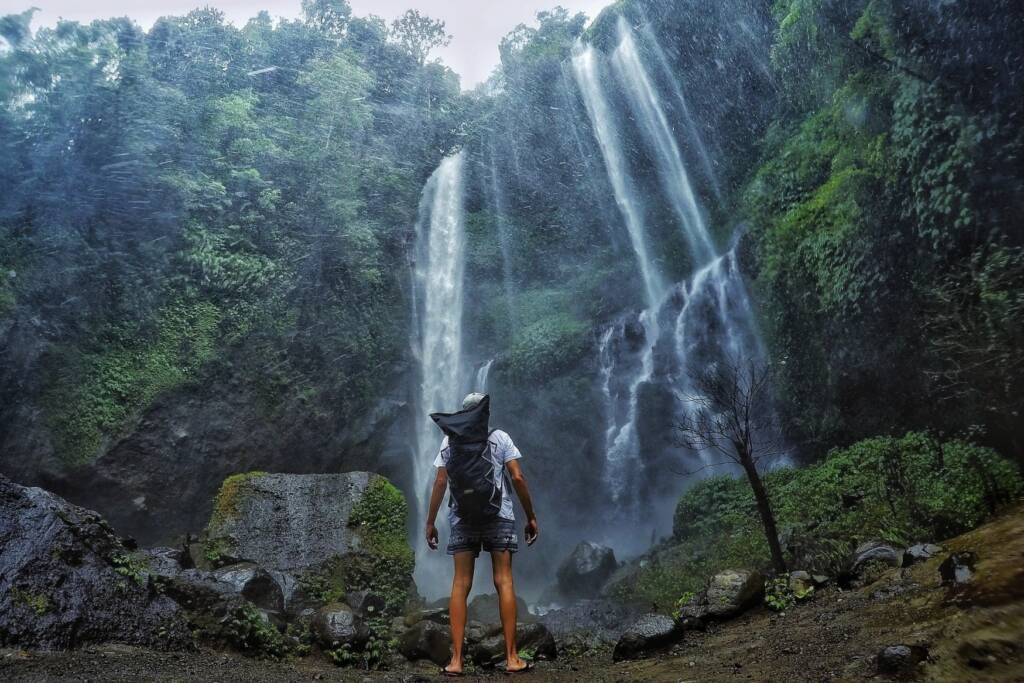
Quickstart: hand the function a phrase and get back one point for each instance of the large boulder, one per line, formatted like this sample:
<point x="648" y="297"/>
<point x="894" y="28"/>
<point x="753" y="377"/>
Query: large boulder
<point x="336" y="624"/>
<point x="534" y="640"/>
<point x="645" y="635"/>
<point x="318" y="535"/>
<point x="426" y="640"/>
<point x="586" y="570"/>
<point x="67" y="580"/>
<point x="727" y="594"/>
<point x="873" y="552"/>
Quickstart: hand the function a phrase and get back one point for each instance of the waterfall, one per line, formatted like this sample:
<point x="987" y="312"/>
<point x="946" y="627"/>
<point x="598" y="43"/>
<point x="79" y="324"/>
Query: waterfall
<point x="710" y="308"/>
<point x="586" y="69"/>
<point x="498" y="206"/>
<point x="440" y="246"/>
<point x="481" y="376"/>
<point x="646" y="106"/>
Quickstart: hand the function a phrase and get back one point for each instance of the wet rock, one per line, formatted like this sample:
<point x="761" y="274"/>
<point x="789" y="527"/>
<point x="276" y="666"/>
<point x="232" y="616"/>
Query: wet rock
<point x="253" y="583"/>
<point x="485" y="608"/>
<point x="163" y="562"/>
<point x="605" y="618"/>
<point x="958" y="569"/>
<point x="873" y="551"/>
<point x="286" y="522"/>
<point x="438" y="615"/>
<point x="66" y="579"/>
<point x="533" y="639"/>
<point x="586" y="569"/>
<point x="475" y="632"/>
<point x="648" y="633"/>
<point x="336" y="624"/>
<point x="365" y="602"/>
<point x="901" y="660"/>
<point x="426" y="640"/>
<point x="919" y="553"/>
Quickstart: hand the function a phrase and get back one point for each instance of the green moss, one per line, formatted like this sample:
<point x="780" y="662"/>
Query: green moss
<point x="386" y="562"/>
<point x="326" y="583"/>
<point x="226" y="504"/>
<point x="546" y="348"/>
<point x="248" y="631"/>
<point x="39" y="603"/>
<point x="108" y="386"/>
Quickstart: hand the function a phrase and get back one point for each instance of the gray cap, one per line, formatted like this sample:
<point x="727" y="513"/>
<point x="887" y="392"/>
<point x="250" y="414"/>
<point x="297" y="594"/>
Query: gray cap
<point x="472" y="400"/>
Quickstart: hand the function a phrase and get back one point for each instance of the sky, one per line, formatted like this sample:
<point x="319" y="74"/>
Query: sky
<point x="476" y="25"/>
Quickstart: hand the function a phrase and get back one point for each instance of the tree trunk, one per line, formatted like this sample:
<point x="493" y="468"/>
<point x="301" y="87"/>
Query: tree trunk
<point x="764" y="508"/>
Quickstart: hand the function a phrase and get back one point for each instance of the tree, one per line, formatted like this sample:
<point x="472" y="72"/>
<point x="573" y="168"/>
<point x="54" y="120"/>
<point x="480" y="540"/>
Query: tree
<point x="419" y="34"/>
<point x="329" y="16"/>
<point x="731" y="414"/>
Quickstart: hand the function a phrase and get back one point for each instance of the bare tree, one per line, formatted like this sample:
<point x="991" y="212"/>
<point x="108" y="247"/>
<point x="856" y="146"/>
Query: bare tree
<point x="731" y="415"/>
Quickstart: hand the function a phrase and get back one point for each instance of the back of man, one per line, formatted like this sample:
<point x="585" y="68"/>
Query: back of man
<point x="482" y="465"/>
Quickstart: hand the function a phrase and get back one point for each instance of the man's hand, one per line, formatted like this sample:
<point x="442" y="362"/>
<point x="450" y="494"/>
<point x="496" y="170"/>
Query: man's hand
<point x="431" y="534"/>
<point x="532" y="531"/>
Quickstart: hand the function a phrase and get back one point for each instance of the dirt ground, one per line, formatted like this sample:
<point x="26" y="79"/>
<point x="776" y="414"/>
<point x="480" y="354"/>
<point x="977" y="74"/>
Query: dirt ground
<point x="974" y="635"/>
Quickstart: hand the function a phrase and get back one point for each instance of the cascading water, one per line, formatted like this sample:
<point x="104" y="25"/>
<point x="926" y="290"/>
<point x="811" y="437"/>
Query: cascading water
<point x="702" y="320"/>
<point x="482" y="373"/>
<point x="440" y="247"/>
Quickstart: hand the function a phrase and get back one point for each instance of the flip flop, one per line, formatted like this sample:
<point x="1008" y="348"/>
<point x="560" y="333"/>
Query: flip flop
<point x="526" y="669"/>
<point x="451" y="674"/>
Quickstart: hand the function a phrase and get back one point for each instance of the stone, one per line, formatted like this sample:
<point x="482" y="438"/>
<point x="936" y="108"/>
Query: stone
<point x="286" y="522"/>
<point x="163" y="562"/>
<point x="645" y="635"/>
<point x="66" y="580"/>
<point x="336" y="624"/>
<point x="920" y="553"/>
<point x="426" y="640"/>
<point x="534" y="640"/>
<point x="873" y="551"/>
<point x="475" y="632"/>
<point x="253" y="583"/>
<point x="365" y="602"/>
<point x="485" y="608"/>
<point x="901" y="660"/>
<point x="438" y="615"/>
<point x="801" y="584"/>
<point x="730" y="592"/>
<point x="958" y="569"/>
<point x="586" y="570"/>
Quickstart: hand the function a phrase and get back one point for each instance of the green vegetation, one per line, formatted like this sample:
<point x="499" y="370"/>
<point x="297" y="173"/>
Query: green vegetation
<point x="130" y="566"/>
<point x="39" y="603"/>
<point x="903" y="490"/>
<point x="386" y="562"/>
<point x="248" y="631"/>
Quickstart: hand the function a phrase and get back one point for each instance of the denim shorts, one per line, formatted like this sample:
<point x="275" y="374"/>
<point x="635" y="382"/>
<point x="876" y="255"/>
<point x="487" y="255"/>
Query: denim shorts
<point x="493" y="536"/>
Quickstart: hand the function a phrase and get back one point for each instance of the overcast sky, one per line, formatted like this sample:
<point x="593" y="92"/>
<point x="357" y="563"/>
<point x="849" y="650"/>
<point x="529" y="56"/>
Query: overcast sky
<point x="477" y="25"/>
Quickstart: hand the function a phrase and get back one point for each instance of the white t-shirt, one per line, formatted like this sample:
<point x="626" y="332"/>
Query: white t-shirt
<point x="503" y="450"/>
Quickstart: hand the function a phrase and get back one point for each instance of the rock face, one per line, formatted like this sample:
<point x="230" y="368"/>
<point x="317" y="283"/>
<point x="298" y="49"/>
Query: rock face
<point x="286" y="521"/>
<point x="648" y="633"/>
<point x="586" y="570"/>
<point x="727" y="594"/>
<point x="66" y="579"/>
<point x="426" y="640"/>
<point x="920" y="553"/>
<point x="534" y="639"/>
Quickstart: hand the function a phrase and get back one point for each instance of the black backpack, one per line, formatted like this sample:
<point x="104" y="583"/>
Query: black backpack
<point x="473" y="488"/>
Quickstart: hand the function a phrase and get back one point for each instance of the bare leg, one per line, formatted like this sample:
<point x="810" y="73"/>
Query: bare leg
<point x="461" y="584"/>
<point x="501" y="564"/>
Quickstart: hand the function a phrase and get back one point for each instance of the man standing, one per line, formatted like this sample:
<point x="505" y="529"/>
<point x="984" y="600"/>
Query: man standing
<point x="477" y="466"/>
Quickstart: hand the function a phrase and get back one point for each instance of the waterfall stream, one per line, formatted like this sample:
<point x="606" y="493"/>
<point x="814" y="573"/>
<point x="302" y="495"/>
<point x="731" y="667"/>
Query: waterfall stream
<point x="438" y="291"/>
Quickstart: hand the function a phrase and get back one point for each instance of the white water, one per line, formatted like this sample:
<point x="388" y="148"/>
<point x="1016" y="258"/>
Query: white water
<point x="586" y="69"/>
<point x="711" y="310"/>
<point x="646" y="106"/>
<point x="440" y="242"/>
<point x="482" y="373"/>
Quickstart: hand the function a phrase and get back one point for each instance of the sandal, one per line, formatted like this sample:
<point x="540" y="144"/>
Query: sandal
<point x="451" y="674"/>
<point x="525" y="669"/>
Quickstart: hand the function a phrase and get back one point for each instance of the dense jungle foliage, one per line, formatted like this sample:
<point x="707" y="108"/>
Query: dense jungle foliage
<point x="202" y="205"/>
